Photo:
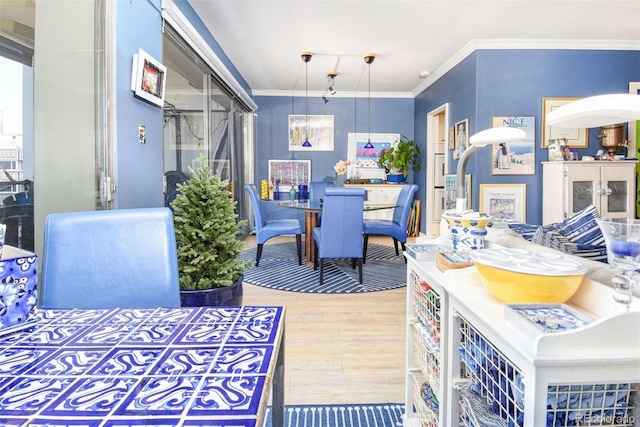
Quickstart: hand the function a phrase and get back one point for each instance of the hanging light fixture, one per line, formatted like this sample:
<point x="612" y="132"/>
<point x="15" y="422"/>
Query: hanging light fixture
<point x="368" y="59"/>
<point x="306" y="57"/>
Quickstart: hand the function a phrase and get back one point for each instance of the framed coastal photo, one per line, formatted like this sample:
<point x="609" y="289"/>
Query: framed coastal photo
<point x="577" y="138"/>
<point x="452" y="137"/>
<point x="504" y="201"/>
<point x="148" y="78"/>
<point x="461" y="138"/>
<point x="451" y="190"/>
<point x="515" y="158"/>
<point x="319" y="130"/>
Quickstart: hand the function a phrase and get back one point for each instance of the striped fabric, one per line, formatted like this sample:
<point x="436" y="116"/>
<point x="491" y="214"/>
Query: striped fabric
<point x="578" y="235"/>
<point x="360" y="415"/>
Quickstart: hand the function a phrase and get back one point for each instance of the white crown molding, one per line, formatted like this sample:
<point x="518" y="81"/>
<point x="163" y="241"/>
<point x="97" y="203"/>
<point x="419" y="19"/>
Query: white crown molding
<point x="339" y="94"/>
<point x="568" y="44"/>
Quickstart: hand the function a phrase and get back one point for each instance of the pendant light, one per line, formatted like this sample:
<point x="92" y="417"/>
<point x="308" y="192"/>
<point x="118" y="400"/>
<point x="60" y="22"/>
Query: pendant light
<point x="368" y="59"/>
<point x="306" y="57"/>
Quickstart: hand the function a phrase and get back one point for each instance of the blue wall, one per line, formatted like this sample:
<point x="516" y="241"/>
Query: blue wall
<point x="387" y="116"/>
<point x="512" y="83"/>
<point x="139" y="167"/>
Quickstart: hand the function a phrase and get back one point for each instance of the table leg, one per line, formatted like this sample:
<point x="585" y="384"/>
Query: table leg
<point x="277" y="391"/>
<point x="311" y="222"/>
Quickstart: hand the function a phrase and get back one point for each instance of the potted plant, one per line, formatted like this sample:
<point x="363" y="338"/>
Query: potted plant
<point x="397" y="160"/>
<point x="206" y="226"/>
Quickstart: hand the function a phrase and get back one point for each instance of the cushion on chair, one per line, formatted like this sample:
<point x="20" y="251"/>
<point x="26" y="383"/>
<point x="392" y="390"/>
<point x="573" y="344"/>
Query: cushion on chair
<point x="104" y="259"/>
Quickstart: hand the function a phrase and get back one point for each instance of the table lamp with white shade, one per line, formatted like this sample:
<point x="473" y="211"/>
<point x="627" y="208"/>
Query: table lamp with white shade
<point x="467" y="228"/>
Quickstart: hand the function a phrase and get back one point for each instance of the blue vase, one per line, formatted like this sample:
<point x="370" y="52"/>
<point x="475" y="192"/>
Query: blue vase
<point x="215" y="297"/>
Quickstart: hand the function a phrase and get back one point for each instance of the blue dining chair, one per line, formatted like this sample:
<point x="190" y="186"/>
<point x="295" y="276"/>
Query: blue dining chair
<point x="112" y="258"/>
<point x="340" y="234"/>
<point x="317" y="188"/>
<point x="396" y="227"/>
<point x="265" y="230"/>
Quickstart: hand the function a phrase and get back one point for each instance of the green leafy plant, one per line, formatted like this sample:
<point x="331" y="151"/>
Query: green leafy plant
<point x="206" y="226"/>
<point x="401" y="157"/>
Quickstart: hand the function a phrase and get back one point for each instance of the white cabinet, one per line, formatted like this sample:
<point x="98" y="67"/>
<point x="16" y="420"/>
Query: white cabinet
<point x="481" y="363"/>
<point x="379" y="194"/>
<point x="569" y="187"/>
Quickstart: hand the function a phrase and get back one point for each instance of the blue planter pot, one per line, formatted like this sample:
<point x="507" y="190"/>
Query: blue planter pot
<point x="216" y="297"/>
<point x="396" y="178"/>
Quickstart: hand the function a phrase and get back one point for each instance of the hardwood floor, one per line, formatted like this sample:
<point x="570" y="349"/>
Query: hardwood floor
<point x="340" y="348"/>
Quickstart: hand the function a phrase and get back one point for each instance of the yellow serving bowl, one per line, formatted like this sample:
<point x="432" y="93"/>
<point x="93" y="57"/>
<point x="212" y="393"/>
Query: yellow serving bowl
<point x="520" y="276"/>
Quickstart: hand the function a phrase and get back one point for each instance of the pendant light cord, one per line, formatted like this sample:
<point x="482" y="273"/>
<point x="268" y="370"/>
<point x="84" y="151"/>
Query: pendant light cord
<point x="306" y="100"/>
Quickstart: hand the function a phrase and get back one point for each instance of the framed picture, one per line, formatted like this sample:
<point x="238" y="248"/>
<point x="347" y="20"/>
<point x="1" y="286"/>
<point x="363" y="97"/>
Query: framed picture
<point x="461" y="138"/>
<point x="575" y="137"/>
<point x="515" y="158"/>
<point x="633" y="127"/>
<point x="452" y="137"/>
<point x="364" y="158"/>
<point x="287" y="173"/>
<point x="148" y="78"/>
<point x="319" y="130"/>
<point x="451" y="191"/>
<point x="504" y="201"/>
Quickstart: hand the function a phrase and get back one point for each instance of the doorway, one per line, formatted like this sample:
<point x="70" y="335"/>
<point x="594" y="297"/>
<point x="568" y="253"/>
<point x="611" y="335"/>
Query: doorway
<point x="437" y="165"/>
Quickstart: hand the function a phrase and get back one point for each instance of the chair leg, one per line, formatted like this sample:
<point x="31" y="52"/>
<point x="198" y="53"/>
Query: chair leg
<point x="360" y="262"/>
<point x="403" y="249"/>
<point x="395" y="245"/>
<point x="321" y="271"/>
<point x="366" y="244"/>
<point x="299" y="245"/>
<point x="315" y="256"/>
<point x="259" y="253"/>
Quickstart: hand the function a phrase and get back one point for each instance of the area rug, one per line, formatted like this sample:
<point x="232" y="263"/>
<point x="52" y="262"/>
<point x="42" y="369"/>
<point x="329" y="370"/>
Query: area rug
<point x="279" y="269"/>
<point x="362" y="415"/>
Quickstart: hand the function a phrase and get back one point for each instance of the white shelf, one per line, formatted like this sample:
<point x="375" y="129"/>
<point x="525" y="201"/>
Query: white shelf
<point x="602" y="353"/>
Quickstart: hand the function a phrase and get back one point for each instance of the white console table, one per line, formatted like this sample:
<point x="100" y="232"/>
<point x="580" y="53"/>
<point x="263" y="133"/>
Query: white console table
<point x="458" y="337"/>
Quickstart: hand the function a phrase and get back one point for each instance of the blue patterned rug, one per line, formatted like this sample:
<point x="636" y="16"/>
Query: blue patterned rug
<point x="362" y="415"/>
<point x="279" y="269"/>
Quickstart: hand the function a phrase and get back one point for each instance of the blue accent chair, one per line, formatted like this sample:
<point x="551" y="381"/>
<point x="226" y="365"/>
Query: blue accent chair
<point x="340" y="235"/>
<point x="316" y="192"/>
<point x="317" y="188"/>
<point x="265" y="230"/>
<point x="113" y="258"/>
<point x="396" y="227"/>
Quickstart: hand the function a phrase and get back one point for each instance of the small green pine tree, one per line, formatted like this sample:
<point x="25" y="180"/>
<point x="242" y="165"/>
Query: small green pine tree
<point x="206" y="226"/>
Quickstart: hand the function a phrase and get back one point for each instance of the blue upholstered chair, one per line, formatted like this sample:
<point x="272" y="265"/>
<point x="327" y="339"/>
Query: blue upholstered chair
<point x="340" y="235"/>
<point x="106" y="259"/>
<point x="396" y="227"/>
<point x="316" y="189"/>
<point x="265" y="230"/>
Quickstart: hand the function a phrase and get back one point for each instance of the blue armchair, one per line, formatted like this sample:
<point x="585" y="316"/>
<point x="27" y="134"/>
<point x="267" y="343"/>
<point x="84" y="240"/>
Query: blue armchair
<point x="265" y="230"/>
<point x="395" y="227"/>
<point x="106" y="259"/>
<point x="340" y="235"/>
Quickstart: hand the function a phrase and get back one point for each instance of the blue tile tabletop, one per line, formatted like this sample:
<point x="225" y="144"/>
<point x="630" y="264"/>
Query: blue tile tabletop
<point x="209" y="366"/>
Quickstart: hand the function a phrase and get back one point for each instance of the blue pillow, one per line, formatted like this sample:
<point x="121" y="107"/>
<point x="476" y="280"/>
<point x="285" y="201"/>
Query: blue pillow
<point x="525" y="230"/>
<point x="582" y="228"/>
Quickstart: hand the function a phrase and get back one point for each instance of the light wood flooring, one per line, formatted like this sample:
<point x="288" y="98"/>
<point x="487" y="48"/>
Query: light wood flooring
<point x="340" y="348"/>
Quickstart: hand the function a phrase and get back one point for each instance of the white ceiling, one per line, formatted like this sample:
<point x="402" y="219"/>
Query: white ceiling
<point x="264" y="38"/>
